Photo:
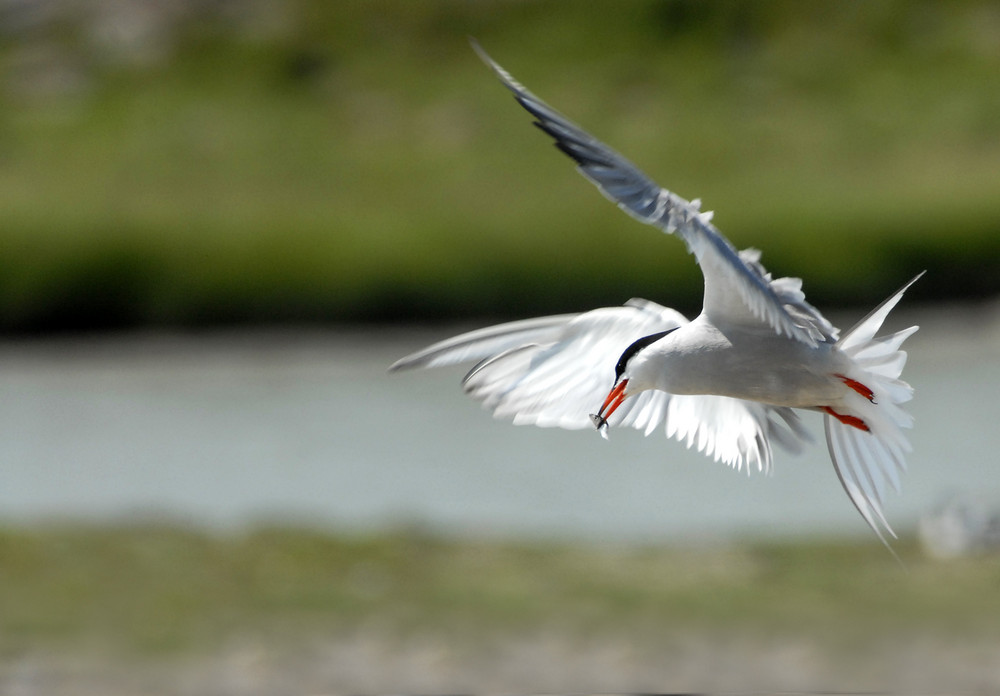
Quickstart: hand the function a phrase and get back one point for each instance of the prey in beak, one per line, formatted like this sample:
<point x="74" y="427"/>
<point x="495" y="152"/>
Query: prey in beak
<point x="615" y="399"/>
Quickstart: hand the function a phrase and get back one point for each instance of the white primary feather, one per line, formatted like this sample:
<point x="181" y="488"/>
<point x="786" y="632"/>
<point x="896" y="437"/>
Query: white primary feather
<point x="484" y="343"/>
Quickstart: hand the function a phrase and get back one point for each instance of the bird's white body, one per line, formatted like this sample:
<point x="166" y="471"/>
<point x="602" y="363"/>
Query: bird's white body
<point x="726" y="382"/>
<point x="757" y="365"/>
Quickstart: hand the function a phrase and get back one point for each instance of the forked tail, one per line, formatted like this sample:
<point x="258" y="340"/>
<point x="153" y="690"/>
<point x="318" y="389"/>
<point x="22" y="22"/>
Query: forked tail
<point x="867" y="461"/>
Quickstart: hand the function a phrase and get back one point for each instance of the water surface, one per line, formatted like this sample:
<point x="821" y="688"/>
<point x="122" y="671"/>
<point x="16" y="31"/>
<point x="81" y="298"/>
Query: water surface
<point x="226" y="430"/>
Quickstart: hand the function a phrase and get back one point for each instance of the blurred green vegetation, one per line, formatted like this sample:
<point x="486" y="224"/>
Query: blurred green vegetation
<point x="354" y="161"/>
<point x="163" y="590"/>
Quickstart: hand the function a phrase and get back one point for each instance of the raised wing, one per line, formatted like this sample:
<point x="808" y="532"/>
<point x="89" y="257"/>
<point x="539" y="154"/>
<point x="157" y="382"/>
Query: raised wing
<point x="555" y="371"/>
<point x="737" y="288"/>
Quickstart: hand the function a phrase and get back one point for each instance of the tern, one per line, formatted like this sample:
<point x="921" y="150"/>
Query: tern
<point x="726" y="382"/>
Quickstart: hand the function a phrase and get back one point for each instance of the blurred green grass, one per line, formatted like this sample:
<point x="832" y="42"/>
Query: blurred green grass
<point x="158" y="590"/>
<point x="358" y="163"/>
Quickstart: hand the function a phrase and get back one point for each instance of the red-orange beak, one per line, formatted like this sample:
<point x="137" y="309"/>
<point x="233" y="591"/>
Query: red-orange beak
<point x="615" y="398"/>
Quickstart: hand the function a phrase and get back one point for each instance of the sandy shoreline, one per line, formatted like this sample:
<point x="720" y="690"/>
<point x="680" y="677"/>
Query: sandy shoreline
<point x="549" y="660"/>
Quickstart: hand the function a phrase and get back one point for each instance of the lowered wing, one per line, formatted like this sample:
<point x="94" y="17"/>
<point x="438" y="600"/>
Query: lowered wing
<point x="554" y="372"/>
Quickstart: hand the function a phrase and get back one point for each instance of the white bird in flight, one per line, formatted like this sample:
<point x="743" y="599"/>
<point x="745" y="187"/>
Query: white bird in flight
<point x="726" y="382"/>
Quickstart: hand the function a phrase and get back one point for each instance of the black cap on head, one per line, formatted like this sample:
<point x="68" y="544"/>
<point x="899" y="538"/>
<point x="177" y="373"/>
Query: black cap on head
<point x="635" y="348"/>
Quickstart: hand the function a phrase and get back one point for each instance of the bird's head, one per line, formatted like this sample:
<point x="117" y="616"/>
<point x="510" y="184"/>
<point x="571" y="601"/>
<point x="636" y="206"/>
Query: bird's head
<point x="629" y="379"/>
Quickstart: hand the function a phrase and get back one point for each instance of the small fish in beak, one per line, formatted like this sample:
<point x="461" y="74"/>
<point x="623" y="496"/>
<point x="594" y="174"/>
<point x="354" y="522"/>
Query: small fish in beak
<point x="601" y="424"/>
<point x="615" y="398"/>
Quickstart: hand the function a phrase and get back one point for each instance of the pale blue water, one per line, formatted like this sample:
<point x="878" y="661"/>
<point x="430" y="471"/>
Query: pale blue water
<point x="230" y="430"/>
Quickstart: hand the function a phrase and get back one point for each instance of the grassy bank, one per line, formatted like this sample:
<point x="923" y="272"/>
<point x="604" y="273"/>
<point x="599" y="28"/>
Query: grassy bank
<point x="160" y="590"/>
<point x="348" y="161"/>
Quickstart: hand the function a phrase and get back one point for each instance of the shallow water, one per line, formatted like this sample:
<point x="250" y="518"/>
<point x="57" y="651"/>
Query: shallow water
<point x="226" y="430"/>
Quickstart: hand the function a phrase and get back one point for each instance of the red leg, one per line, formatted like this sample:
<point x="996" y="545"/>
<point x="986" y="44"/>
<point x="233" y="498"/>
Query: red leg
<point x="858" y="387"/>
<point x="853" y="421"/>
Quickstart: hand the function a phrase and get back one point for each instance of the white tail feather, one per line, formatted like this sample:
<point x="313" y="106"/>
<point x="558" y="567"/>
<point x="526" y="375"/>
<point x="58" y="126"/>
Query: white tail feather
<point x="867" y="462"/>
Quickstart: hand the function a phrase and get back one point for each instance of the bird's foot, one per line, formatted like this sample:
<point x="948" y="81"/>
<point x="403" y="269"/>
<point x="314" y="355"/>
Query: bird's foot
<point x="852" y="421"/>
<point x="857" y="386"/>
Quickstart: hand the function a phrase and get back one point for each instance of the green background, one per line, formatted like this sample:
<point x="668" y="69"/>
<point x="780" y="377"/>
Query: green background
<point x="355" y="162"/>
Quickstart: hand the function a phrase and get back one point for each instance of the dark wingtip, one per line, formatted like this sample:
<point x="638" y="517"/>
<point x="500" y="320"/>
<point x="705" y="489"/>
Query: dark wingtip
<point x="505" y="78"/>
<point x="401" y="364"/>
<point x="479" y="49"/>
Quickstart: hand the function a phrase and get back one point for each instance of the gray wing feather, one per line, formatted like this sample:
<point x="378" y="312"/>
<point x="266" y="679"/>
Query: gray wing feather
<point x="735" y="291"/>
